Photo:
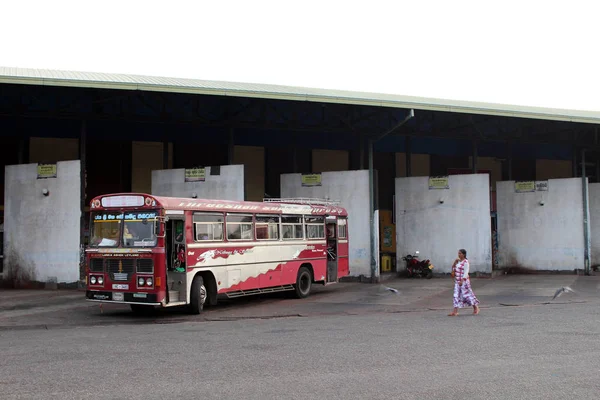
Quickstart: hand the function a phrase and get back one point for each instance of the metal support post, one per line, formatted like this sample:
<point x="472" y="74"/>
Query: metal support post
<point x="574" y="161"/>
<point x="474" y="156"/>
<point x="361" y="153"/>
<point x="371" y="142"/>
<point x="509" y="151"/>
<point x="586" y="216"/>
<point x="372" y="212"/>
<point x="408" y="156"/>
<point x="83" y="195"/>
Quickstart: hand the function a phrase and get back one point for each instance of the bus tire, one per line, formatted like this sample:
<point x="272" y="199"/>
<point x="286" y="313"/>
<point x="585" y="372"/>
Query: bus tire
<point x="303" y="283"/>
<point x="211" y="291"/>
<point x="197" y="295"/>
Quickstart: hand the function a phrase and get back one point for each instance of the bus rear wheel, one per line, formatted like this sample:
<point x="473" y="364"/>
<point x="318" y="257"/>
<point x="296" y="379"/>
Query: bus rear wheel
<point x="198" y="295"/>
<point x="303" y="283"/>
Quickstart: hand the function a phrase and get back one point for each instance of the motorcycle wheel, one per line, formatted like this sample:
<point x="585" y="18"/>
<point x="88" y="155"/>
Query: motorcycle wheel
<point x="430" y="274"/>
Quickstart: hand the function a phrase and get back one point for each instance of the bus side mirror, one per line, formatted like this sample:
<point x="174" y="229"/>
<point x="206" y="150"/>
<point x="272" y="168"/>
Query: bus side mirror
<point x="157" y="224"/>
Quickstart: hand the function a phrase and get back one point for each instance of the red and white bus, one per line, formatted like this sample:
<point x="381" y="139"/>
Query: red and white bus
<point x="151" y="251"/>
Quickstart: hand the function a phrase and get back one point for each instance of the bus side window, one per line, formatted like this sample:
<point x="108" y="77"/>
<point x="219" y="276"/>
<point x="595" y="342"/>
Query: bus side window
<point x="267" y="227"/>
<point x="208" y="227"/>
<point x="315" y="226"/>
<point x="291" y="228"/>
<point x="239" y="227"/>
<point x="342" y="228"/>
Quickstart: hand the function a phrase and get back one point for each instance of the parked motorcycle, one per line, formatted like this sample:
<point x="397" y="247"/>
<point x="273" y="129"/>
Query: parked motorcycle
<point x="418" y="268"/>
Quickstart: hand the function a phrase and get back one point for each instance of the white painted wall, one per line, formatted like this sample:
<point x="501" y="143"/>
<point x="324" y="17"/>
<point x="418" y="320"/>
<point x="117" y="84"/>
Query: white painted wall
<point x="351" y="188"/>
<point x="42" y="233"/>
<point x="229" y="185"/>
<point x="594" y="207"/>
<point x="548" y="237"/>
<point x="439" y="230"/>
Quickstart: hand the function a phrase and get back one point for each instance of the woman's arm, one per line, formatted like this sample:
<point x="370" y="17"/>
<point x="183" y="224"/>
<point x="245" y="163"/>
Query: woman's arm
<point x="465" y="270"/>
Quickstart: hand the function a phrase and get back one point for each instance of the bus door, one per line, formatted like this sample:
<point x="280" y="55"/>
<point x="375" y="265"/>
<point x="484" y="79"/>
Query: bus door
<point x="343" y="250"/>
<point x="332" y="248"/>
<point x="175" y="258"/>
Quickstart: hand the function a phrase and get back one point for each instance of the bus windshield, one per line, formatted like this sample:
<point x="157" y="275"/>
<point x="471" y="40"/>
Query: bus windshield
<point x="136" y="228"/>
<point x="105" y="229"/>
<point x="139" y="229"/>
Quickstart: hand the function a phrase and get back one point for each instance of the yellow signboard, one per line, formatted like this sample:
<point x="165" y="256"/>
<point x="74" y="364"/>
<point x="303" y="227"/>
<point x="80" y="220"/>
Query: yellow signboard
<point x="311" y="180"/>
<point x="439" y="182"/>
<point x="195" y="175"/>
<point x="45" y="171"/>
<point x="524" y="186"/>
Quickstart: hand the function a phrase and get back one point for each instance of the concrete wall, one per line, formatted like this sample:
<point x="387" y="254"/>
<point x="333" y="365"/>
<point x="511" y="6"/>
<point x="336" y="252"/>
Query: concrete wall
<point x="351" y="188"/>
<point x="548" y="237"/>
<point x="42" y="233"/>
<point x="228" y="185"/>
<point x="492" y="164"/>
<point x="594" y="206"/>
<point x="439" y="230"/>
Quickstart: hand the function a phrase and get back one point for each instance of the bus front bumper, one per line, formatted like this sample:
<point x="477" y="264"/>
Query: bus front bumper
<point x="122" y="297"/>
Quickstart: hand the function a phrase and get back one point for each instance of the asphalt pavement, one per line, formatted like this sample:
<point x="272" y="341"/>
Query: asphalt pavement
<point x="353" y="341"/>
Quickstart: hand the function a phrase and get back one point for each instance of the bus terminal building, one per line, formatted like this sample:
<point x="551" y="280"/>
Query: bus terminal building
<point x="518" y="187"/>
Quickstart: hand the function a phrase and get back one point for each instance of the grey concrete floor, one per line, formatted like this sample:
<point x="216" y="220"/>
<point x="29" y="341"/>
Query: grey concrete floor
<point x="354" y="342"/>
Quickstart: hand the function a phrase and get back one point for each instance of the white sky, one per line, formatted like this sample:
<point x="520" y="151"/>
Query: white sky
<point x="536" y="53"/>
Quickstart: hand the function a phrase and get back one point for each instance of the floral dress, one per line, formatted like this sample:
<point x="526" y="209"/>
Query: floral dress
<point x="463" y="294"/>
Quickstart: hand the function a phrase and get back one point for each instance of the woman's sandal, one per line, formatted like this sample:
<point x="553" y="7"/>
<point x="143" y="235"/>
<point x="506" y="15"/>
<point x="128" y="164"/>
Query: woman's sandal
<point x="476" y="311"/>
<point x="453" y="314"/>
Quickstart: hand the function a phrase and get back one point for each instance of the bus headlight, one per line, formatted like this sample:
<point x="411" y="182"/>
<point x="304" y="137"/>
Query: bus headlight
<point x="100" y="280"/>
<point x="140" y="281"/>
<point x="93" y="280"/>
<point x="149" y="281"/>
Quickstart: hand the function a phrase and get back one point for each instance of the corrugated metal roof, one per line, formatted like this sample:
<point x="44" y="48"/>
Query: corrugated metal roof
<point x="195" y="86"/>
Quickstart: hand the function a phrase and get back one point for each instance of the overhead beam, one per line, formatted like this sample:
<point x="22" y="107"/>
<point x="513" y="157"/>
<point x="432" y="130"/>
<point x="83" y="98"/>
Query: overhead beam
<point x="292" y="127"/>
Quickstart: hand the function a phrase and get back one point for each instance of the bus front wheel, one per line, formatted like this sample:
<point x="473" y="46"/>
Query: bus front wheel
<point x="198" y="295"/>
<point x="303" y="283"/>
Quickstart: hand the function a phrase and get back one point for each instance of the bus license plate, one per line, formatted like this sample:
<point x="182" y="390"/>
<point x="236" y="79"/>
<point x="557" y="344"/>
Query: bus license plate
<point x="118" y="296"/>
<point x="120" y="286"/>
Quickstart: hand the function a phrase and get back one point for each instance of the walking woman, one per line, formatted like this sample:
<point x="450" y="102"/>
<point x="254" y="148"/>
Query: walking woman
<point x="463" y="294"/>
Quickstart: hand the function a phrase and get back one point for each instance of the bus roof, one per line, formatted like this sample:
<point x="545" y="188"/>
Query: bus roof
<point x="137" y="200"/>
